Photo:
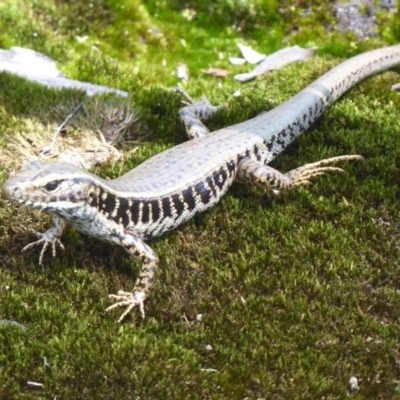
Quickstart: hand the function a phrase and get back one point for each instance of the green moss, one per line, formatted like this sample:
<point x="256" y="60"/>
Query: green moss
<point x="297" y="292"/>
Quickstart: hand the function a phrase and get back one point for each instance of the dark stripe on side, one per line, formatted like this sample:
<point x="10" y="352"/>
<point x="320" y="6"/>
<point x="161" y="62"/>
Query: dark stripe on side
<point x="166" y="207"/>
<point x="93" y="200"/>
<point x="211" y="185"/>
<point x="134" y="210"/>
<point x="109" y="203"/>
<point x="189" y="198"/>
<point x="231" y="165"/>
<point x="146" y="212"/>
<point x="257" y="152"/>
<point x="123" y="212"/>
<point x="155" y="210"/>
<point x="220" y="178"/>
<point x="179" y="206"/>
<point x="203" y="192"/>
<point x="271" y="142"/>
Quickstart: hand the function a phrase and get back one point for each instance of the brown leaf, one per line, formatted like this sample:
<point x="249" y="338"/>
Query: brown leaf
<point x="218" y="72"/>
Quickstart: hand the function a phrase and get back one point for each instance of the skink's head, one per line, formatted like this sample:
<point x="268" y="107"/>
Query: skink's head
<point x="40" y="184"/>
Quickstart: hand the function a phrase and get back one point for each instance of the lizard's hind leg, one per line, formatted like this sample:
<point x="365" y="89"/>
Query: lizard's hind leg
<point x="251" y="171"/>
<point x="194" y="112"/>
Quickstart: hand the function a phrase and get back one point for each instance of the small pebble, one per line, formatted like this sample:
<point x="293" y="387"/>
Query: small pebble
<point x="353" y="382"/>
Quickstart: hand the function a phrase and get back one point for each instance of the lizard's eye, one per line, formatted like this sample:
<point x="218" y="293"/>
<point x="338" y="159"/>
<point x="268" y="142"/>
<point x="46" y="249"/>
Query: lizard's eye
<point x="51" y="186"/>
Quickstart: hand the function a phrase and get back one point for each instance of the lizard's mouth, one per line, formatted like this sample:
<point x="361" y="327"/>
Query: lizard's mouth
<point x="16" y="192"/>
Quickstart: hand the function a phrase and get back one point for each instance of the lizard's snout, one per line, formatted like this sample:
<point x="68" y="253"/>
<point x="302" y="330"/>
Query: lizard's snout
<point x="11" y="190"/>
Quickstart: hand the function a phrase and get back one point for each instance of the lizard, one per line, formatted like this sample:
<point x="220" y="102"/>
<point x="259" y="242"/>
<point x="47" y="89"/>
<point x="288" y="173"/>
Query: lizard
<point x="173" y="186"/>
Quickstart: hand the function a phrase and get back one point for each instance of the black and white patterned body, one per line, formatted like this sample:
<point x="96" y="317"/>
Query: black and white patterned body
<point x="172" y="187"/>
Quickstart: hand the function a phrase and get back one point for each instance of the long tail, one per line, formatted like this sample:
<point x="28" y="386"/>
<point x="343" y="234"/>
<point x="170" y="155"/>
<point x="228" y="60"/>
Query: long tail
<point x="283" y="124"/>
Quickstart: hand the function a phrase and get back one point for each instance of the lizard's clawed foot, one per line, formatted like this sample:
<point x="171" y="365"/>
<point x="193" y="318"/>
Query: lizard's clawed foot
<point x="302" y="175"/>
<point x="129" y="300"/>
<point x="46" y="239"/>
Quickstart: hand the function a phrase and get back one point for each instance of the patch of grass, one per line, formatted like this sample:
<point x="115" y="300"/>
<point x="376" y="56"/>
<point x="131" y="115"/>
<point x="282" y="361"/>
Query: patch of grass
<point x="297" y="293"/>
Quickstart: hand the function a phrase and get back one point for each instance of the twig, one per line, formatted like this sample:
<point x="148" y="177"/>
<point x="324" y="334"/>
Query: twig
<point x="50" y="147"/>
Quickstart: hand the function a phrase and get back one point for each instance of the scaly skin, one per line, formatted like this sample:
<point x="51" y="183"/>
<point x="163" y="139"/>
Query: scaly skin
<point x="172" y="187"/>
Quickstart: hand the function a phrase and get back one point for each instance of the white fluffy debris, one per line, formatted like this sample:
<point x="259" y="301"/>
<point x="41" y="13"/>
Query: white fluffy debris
<point x="277" y="60"/>
<point x="250" y="55"/>
<point x="37" y="67"/>
<point x="237" y="60"/>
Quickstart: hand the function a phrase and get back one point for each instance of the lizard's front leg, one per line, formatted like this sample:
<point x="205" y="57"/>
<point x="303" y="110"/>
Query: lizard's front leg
<point x="194" y="112"/>
<point x="144" y="282"/>
<point x="49" y="238"/>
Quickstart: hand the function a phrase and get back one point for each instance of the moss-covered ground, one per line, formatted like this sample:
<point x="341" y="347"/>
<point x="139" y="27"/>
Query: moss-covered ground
<point x="297" y="293"/>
